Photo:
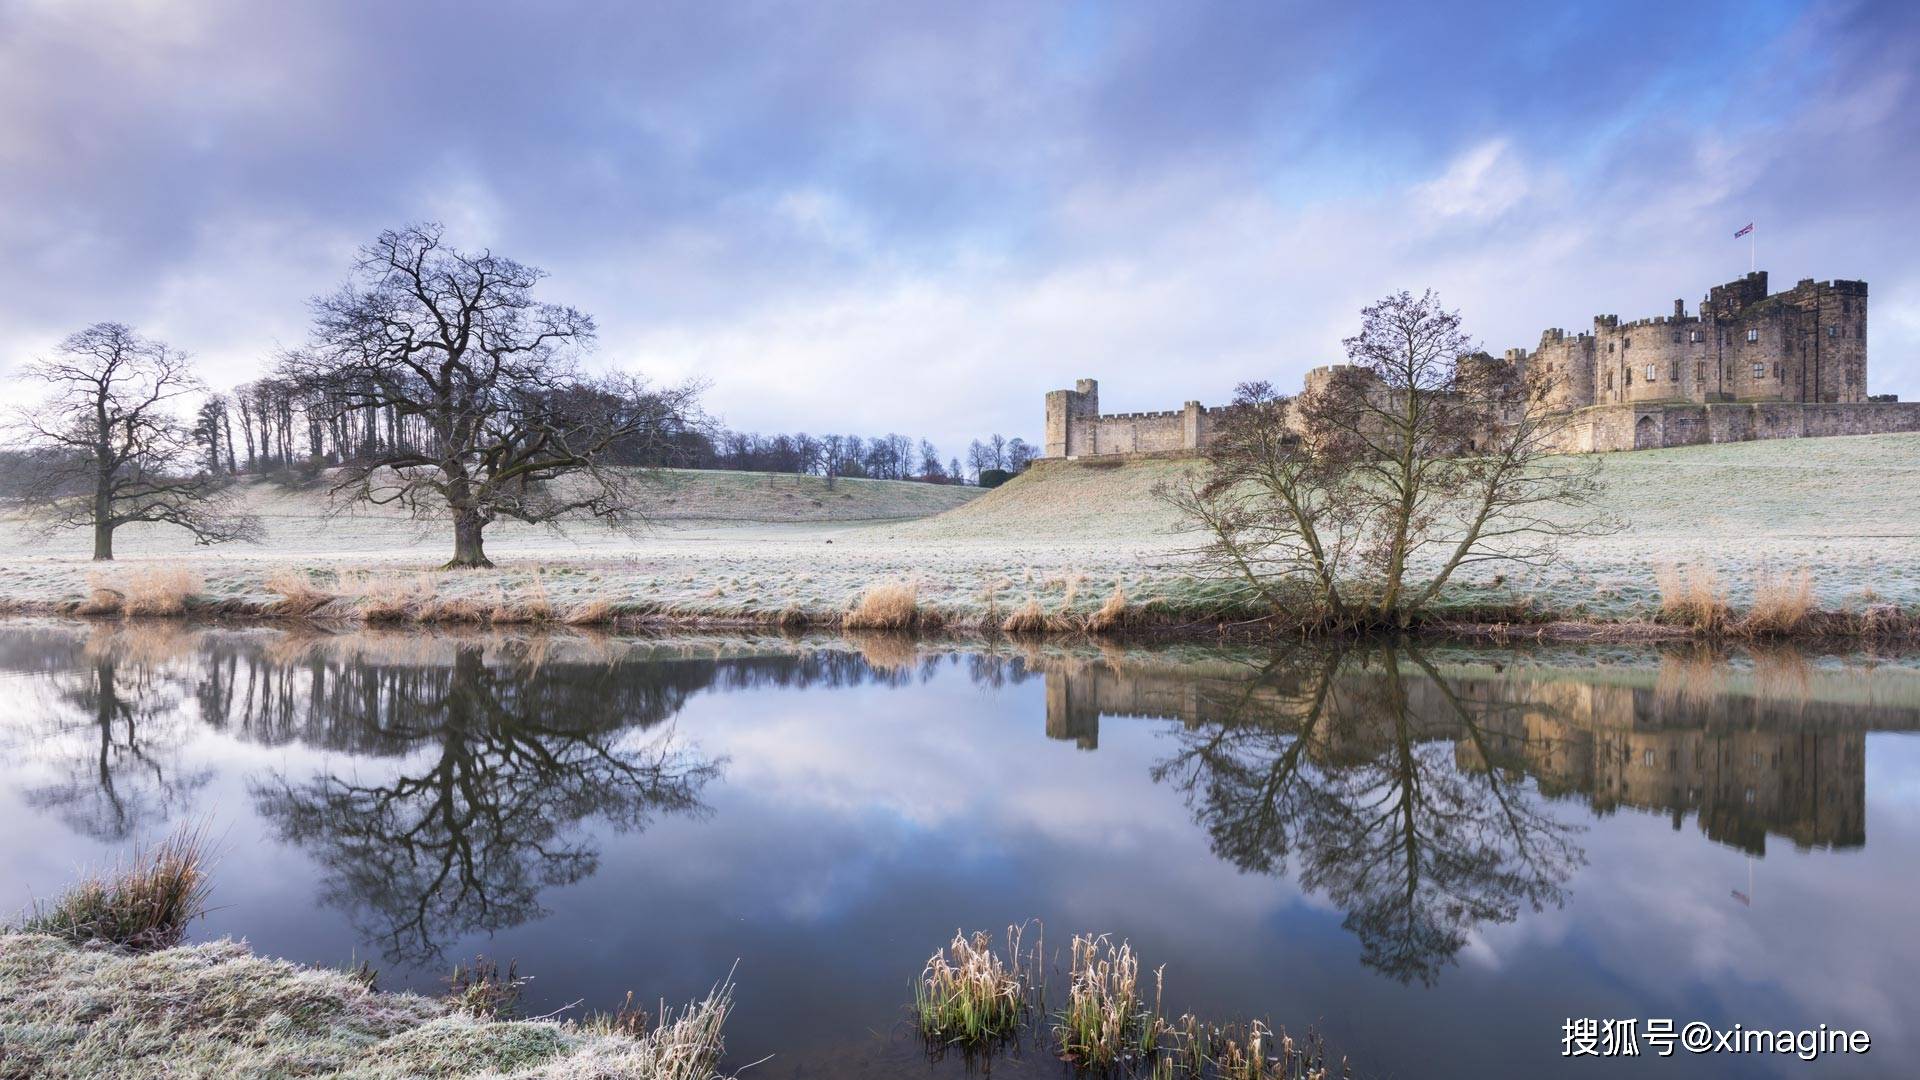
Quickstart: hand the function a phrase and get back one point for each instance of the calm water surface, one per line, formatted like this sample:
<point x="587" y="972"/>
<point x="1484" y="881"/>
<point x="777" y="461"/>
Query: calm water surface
<point x="1432" y="858"/>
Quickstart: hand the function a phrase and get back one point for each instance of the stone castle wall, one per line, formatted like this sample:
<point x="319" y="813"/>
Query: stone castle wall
<point x="1746" y="365"/>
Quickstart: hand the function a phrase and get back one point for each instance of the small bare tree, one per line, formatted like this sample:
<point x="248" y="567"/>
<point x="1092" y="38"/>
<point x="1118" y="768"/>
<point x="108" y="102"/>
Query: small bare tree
<point x="110" y="448"/>
<point x="454" y="344"/>
<point x="1353" y="505"/>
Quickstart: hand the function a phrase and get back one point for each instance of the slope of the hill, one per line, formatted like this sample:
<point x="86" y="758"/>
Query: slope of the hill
<point x="1731" y="493"/>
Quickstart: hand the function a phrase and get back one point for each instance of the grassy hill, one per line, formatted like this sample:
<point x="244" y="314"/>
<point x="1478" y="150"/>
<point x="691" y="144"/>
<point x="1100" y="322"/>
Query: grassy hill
<point x="1732" y="492"/>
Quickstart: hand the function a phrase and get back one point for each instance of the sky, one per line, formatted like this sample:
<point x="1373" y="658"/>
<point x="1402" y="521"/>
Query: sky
<point x="894" y="216"/>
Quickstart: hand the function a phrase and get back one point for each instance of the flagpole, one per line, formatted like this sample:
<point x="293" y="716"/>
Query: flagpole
<point x="1753" y="250"/>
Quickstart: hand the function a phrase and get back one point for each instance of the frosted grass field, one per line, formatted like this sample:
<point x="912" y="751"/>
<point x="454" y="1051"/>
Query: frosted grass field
<point x="746" y="545"/>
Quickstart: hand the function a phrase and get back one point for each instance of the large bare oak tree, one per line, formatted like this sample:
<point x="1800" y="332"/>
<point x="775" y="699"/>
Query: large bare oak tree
<point x="1352" y="505"/>
<point x="510" y="426"/>
<point x="109" y="447"/>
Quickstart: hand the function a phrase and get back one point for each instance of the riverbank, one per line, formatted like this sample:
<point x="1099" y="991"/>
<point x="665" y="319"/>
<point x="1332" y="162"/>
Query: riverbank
<point x="1048" y="551"/>
<point x="217" y="1010"/>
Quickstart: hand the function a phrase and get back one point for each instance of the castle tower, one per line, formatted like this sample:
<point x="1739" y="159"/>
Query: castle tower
<point x="1063" y="408"/>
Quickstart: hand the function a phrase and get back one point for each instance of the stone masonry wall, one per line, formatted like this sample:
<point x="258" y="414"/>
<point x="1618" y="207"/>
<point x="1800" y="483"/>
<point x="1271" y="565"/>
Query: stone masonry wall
<point x="1746" y="365"/>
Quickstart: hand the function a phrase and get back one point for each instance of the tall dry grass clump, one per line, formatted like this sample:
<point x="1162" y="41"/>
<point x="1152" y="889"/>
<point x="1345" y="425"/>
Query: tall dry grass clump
<point x="143" y="904"/>
<point x="1026" y="619"/>
<point x="298" y="595"/>
<point x="152" y="590"/>
<point x="529" y="603"/>
<point x="684" y="1044"/>
<point x="595" y="612"/>
<point x="970" y="995"/>
<point x="103" y="598"/>
<point x="1782" y="603"/>
<point x="1107" y="1021"/>
<point x="889" y="605"/>
<point x="1693" y="596"/>
<point x="389" y="597"/>
<point x="1113" y="614"/>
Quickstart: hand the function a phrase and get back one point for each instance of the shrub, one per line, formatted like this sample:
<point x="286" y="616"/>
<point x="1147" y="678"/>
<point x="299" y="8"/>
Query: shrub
<point x="890" y="605"/>
<point x="143" y="905"/>
<point x="1692" y="596"/>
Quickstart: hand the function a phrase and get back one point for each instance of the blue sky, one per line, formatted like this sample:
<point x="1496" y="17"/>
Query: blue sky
<point x="919" y="217"/>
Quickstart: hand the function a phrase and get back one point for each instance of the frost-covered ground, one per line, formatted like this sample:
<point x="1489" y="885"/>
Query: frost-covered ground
<point x="1846" y="509"/>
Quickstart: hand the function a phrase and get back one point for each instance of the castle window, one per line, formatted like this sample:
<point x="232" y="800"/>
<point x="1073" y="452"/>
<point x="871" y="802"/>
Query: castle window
<point x="1849" y="376"/>
<point x="1776" y="369"/>
<point x="1609" y="380"/>
<point x="1759" y="370"/>
<point x="1676" y="335"/>
<point x="1650" y="372"/>
<point x="1833" y="331"/>
<point x="1673" y="371"/>
<point x="1700" y="371"/>
<point x="1697" y="335"/>
<point x="1846" y="306"/>
<point x="1753" y="335"/>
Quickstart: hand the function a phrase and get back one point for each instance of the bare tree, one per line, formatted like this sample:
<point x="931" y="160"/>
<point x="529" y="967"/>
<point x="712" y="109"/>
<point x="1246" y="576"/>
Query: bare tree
<point x="512" y="426"/>
<point x="1353" y="505"/>
<point x="113" y="450"/>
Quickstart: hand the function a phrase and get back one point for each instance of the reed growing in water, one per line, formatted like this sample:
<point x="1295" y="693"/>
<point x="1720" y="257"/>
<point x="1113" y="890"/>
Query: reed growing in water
<point x="141" y="905"/>
<point x="971" y="996"/>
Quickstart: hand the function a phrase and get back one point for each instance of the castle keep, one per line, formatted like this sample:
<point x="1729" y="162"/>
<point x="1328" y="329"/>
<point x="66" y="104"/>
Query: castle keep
<point x="1745" y="365"/>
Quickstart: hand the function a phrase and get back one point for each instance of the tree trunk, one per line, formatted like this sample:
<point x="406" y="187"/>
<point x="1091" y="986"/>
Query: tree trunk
<point x="467" y="549"/>
<point x="103" y="519"/>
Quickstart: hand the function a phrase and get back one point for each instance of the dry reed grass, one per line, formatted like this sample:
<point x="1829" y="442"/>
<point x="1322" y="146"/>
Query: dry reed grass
<point x="1112" y="615"/>
<point x="451" y="610"/>
<point x="1693" y="596"/>
<point x="1782" y="603"/>
<point x="970" y="995"/>
<point x="1027" y="619"/>
<point x="299" y="596"/>
<point x="529" y="603"/>
<point x="141" y="905"/>
<point x="1107" y="1022"/>
<point x="386" y="597"/>
<point x="889" y="605"/>
<point x="595" y="612"/>
<point x="161" y="591"/>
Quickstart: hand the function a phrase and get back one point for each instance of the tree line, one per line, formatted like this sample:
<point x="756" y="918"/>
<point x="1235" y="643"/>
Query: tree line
<point x="433" y="381"/>
<point x="881" y="457"/>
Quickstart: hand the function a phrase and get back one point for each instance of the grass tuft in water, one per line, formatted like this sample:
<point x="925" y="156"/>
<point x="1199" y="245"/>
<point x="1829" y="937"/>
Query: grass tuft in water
<point x="141" y="905"/>
<point x="970" y="995"/>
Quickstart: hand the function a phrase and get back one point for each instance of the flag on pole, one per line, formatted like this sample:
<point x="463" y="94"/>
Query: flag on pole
<point x="1743" y="232"/>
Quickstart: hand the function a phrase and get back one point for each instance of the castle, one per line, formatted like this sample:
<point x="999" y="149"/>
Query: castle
<point x="1746" y="365"/>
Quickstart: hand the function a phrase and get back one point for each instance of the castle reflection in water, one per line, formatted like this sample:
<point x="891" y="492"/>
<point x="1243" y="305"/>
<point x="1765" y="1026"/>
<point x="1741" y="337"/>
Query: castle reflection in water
<point x="1747" y="765"/>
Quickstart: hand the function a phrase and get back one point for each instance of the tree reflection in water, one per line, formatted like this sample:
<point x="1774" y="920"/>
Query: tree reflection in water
<point x="1345" y="763"/>
<point x="501" y="765"/>
<point x="113" y="731"/>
